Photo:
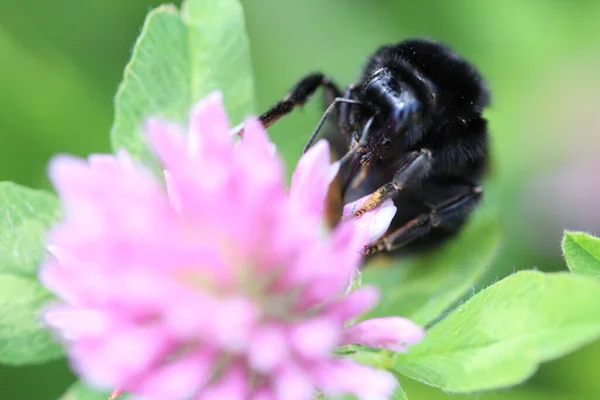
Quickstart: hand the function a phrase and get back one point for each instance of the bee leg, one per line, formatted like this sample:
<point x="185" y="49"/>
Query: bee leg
<point x="412" y="169"/>
<point x="447" y="215"/>
<point x="298" y="96"/>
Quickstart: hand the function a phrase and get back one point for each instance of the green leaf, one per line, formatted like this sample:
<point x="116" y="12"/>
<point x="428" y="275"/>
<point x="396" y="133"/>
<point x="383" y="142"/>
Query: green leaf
<point x="423" y="287"/>
<point x="178" y="59"/>
<point x="380" y="359"/>
<point x="23" y="338"/>
<point x="499" y="337"/>
<point x="582" y="252"/>
<point x="80" y="391"/>
<point x="534" y="391"/>
<point x="399" y="394"/>
<point x="25" y="217"/>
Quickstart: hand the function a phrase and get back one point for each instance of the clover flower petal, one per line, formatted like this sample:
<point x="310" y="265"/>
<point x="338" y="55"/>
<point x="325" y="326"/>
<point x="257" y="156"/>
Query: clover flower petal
<point x="216" y="282"/>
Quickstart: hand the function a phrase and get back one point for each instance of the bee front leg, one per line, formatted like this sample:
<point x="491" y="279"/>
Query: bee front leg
<point x="298" y="96"/>
<point x="413" y="168"/>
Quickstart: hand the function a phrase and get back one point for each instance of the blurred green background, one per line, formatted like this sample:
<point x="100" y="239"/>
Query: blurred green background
<point x="62" y="60"/>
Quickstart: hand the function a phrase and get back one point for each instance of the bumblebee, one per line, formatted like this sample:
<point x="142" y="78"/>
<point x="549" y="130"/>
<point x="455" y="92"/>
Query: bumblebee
<point x="410" y="129"/>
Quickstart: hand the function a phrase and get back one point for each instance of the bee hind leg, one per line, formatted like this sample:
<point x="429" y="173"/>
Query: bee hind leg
<point x="447" y="215"/>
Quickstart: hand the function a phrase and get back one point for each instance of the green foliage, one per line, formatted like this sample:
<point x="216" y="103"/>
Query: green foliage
<point x="416" y="391"/>
<point x="48" y="105"/>
<point x="57" y="90"/>
<point x="23" y="339"/>
<point x="25" y="218"/>
<point x="80" y="391"/>
<point x="498" y="337"/>
<point x="424" y="287"/>
<point x="582" y="252"/>
<point x="178" y="59"/>
<point x="400" y="394"/>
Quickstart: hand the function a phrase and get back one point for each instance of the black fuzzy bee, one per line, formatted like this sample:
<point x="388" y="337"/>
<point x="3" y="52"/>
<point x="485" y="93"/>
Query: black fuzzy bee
<point x="410" y="129"/>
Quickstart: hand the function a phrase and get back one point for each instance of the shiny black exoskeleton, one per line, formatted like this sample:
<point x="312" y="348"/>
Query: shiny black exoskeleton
<point x="410" y="129"/>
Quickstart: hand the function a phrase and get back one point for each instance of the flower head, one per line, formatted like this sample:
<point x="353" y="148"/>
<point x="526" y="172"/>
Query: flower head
<point x="216" y="283"/>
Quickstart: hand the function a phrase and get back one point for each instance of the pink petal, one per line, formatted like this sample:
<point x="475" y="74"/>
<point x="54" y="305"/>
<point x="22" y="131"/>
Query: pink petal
<point x="233" y="323"/>
<point x="346" y="243"/>
<point x="55" y="277"/>
<point x="66" y="172"/>
<point x="125" y="160"/>
<point x="75" y="323"/>
<point x="312" y="177"/>
<point x="115" y="359"/>
<point x="94" y="198"/>
<point x="115" y="393"/>
<point x="354" y="304"/>
<point x="223" y="276"/>
<point x="268" y="349"/>
<point x="263" y="393"/>
<point x="255" y="139"/>
<point x="315" y="338"/>
<point x="168" y="142"/>
<point x="209" y="127"/>
<point x="390" y="333"/>
<point x="344" y="376"/>
<point x="233" y="385"/>
<point x="292" y="384"/>
<point x="374" y="224"/>
<point x="179" y="379"/>
<point x="341" y="256"/>
<point x="187" y="314"/>
<point x="64" y="258"/>
<point x="252" y="156"/>
<point x="103" y="161"/>
<point x="227" y="322"/>
<point x="173" y="192"/>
